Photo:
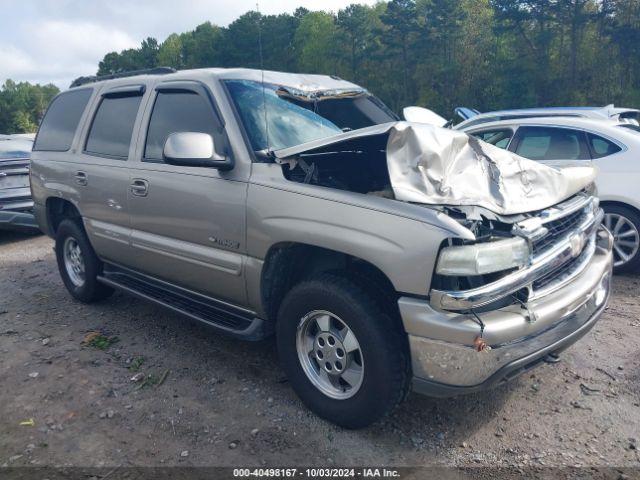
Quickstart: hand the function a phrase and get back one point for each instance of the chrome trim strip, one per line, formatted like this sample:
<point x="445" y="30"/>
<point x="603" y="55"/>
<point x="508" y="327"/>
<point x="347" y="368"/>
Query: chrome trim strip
<point x="564" y="209"/>
<point x="582" y="263"/>
<point x="542" y="265"/>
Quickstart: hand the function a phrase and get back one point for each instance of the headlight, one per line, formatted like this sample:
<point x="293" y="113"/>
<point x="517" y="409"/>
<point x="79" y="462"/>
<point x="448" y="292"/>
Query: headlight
<point x="483" y="258"/>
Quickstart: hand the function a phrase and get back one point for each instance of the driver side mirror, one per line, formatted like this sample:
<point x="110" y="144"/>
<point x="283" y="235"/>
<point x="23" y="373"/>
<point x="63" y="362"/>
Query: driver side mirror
<point x="194" y="149"/>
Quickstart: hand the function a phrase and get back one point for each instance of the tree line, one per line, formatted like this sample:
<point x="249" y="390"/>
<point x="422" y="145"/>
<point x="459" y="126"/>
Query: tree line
<point x="22" y="105"/>
<point x="484" y="54"/>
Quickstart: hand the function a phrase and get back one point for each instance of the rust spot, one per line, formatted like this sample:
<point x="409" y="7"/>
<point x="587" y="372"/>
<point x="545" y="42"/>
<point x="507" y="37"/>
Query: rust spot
<point x="480" y="344"/>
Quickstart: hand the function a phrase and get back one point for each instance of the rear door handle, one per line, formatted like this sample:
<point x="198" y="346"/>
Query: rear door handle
<point x="81" y="178"/>
<point x="139" y="187"/>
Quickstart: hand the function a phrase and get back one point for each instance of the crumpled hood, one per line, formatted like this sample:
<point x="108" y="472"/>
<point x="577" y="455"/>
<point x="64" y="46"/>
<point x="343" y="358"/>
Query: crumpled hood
<point x="445" y="167"/>
<point x="438" y="166"/>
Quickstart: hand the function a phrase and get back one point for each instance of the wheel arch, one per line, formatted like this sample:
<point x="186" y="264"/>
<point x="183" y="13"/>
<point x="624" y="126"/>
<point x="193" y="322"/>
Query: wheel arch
<point x="617" y="203"/>
<point x="58" y="209"/>
<point x="288" y="263"/>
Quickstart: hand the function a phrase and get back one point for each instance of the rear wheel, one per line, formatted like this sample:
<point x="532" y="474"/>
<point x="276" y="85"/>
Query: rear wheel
<point x="78" y="264"/>
<point x="624" y="225"/>
<point x="344" y="355"/>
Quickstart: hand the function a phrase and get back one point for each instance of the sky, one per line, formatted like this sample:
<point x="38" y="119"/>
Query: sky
<point x="55" y="41"/>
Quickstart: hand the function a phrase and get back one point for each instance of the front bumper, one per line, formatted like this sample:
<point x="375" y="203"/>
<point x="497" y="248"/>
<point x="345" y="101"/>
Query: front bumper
<point x="445" y="361"/>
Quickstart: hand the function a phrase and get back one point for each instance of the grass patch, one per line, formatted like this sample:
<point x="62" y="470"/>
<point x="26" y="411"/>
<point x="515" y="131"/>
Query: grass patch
<point x="149" y="381"/>
<point x="99" y="341"/>
<point x="136" y="363"/>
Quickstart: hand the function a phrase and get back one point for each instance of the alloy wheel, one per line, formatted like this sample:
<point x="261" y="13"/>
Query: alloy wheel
<point x="74" y="261"/>
<point x="330" y="354"/>
<point x="626" y="239"/>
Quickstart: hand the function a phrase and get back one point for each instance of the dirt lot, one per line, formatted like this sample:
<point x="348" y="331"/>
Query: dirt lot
<point x="210" y="400"/>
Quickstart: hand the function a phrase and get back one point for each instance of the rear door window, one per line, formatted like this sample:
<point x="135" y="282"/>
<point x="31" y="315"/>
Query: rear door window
<point x="601" y="147"/>
<point x="112" y="127"/>
<point x="179" y="111"/>
<point x="500" y="138"/>
<point x="550" y="143"/>
<point x="59" y="124"/>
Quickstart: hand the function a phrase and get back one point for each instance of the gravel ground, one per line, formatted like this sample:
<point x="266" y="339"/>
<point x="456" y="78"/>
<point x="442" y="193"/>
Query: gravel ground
<point x="207" y="400"/>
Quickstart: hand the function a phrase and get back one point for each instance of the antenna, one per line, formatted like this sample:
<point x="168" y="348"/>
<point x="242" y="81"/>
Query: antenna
<point x="264" y="95"/>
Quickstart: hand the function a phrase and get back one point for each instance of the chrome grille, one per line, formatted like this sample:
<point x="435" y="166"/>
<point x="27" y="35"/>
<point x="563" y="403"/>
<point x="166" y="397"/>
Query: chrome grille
<point x="561" y="273"/>
<point x="558" y="229"/>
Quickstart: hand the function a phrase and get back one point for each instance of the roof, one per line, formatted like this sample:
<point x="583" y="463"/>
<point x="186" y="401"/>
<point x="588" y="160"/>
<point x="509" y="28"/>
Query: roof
<point x="299" y="81"/>
<point x="600" y="113"/>
<point x="607" y="111"/>
<point x="611" y="128"/>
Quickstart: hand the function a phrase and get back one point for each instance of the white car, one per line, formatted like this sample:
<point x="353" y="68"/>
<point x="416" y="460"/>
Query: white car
<point x="469" y="117"/>
<point x="612" y="145"/>
<point x="472" y="118"/>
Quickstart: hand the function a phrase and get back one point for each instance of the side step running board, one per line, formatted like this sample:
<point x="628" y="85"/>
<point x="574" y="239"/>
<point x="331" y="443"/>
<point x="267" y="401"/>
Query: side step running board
<point x="219" y="315"/>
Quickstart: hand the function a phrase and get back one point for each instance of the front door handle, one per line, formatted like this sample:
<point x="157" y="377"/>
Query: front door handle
<point x="81" y="178"/>
<point x="139" y="187"/>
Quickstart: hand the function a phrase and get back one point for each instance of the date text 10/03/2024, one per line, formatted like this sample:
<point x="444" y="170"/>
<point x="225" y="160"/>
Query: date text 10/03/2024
<point x="317" y="472"/>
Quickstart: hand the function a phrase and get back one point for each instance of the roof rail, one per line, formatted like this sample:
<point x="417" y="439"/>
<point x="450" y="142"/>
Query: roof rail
<point x="97" y="78"/>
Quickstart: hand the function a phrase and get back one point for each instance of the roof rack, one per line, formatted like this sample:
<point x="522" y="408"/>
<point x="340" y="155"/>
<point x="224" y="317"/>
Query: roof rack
<point x="98" y="78"/>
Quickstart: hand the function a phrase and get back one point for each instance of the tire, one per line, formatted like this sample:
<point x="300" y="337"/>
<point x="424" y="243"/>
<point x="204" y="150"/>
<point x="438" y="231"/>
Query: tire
<point x="82" y="285"/>
<point x="383" y="354"/>
<point x="624" y="224"/>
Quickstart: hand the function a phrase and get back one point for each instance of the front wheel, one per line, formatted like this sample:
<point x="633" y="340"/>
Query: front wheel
<point x="624" y="225"/>
<point x="344" y="355"/>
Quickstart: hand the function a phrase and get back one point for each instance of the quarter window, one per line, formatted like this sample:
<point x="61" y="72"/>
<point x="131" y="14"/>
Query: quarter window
<point x="179" y="111"/>
<point x="601" y="147"/>
<point x="112" y="126"/>
<point x="499" y="138"/>
<point x="59" y="125"/>
<point x="548" y="143"/>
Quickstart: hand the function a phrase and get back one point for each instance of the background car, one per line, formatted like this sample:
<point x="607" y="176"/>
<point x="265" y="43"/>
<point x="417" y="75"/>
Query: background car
<point x="16" y="204"/>
<point x="613" y="146"/>
<point x="471" y="117"/>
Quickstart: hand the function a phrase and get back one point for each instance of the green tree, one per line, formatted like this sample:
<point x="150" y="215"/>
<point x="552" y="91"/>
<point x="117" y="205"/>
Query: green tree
<point x="487" y="54"/>
<point x="148" y="53"/>
<point x="22" y="105"/>
<point x="242" y="41"/>
<point x="315" y="43"/>
<point x="355" y="30"/>
<point x="203" y="47"/>
<point x="170" y="52"/>
<point x="400" y="19"/>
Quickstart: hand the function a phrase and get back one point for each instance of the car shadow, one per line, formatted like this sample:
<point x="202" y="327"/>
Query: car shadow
<point x="427" y="422"/>
<point x="447" y="421"/>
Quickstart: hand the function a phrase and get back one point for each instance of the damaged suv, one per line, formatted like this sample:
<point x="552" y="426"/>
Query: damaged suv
<point x="382" y="254"/>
